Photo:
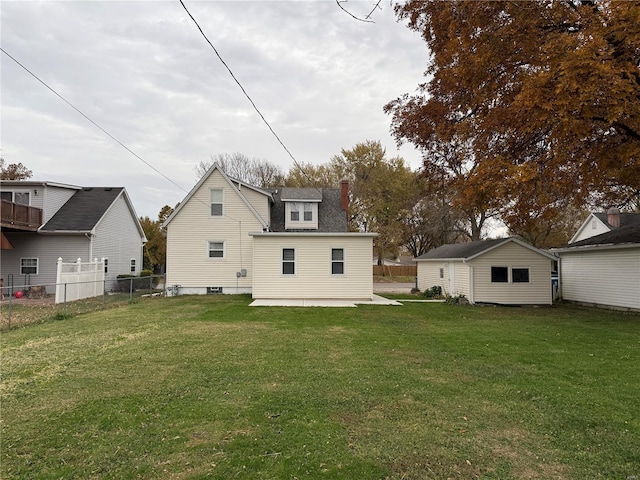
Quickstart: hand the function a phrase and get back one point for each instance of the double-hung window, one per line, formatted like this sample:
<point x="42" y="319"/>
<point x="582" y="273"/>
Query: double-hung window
<point x="308" y="212"/>
<point x="288" y="261"/>
<point x="337" y="261"/>
<point x="217" y="203"/>
<point x="216" y="249"/>
<point x="295" y="212"/>
<point x="132" y="265"/>
<point x="29" y="266"/>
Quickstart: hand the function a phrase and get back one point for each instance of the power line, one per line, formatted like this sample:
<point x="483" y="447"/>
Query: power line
<point x="91" y="120"/>
<point x="252" y="102"/>
<point x="239" y="84"/>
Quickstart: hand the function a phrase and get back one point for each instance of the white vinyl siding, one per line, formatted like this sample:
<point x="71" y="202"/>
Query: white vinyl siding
<point x="512" y="255"/>
<point x="51" y="199"/>
<point x="116" y="237"/>
<point x="313" y="278"/>
<point x="454" y="280"/>
<point x="604" y="277"/>
<point x="193" y="227"/>
<point x="590" y="228"/>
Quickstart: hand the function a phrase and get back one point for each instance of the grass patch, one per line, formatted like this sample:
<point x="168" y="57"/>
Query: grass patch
<point x="206" y="387"/>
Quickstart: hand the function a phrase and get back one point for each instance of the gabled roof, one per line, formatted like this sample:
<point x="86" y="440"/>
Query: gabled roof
<point x="625" y="219"/>
<point x="603" y="218"/>
<point x="233" y="183"/>
<point x="628" y="235"/>
<point x="470" y="250"/>
<point x="331" y="216"/>
<point x="84" y="210"/>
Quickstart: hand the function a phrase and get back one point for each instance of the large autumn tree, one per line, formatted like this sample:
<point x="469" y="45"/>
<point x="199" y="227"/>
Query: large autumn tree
<point x="540" y="100"/>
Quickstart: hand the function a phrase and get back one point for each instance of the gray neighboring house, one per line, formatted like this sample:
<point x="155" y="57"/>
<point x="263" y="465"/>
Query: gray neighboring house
<point x="44" y="221"/>
<point x="603" y="270"/>
<point x="503" y="271"/>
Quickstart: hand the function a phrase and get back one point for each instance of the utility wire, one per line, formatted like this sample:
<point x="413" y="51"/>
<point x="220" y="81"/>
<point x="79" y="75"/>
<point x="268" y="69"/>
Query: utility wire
<point x="252" y="102"/>
<point x="239" y="84"/>
<point x="92" y="121"/>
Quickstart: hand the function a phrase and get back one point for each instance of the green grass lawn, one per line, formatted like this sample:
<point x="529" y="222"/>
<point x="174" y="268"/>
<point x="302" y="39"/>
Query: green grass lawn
<point x="206" y="387"/>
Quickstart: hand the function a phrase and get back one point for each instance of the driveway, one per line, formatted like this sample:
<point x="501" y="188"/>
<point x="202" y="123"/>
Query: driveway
<point x="392" y="287"/>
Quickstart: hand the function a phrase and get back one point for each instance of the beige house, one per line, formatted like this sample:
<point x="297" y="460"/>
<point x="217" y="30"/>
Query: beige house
<point x="503" y="271"/>
<point x="286" y="243"/>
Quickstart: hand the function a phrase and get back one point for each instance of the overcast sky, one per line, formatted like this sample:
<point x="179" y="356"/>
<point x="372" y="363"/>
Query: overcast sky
<point x="143" y="72"/>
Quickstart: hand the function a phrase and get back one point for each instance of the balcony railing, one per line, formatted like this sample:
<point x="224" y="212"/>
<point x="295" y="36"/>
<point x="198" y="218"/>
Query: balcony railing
<point x="23" y="217"/>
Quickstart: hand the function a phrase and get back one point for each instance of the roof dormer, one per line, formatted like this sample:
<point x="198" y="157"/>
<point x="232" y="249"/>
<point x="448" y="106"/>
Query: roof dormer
<point x="301" y="208"/>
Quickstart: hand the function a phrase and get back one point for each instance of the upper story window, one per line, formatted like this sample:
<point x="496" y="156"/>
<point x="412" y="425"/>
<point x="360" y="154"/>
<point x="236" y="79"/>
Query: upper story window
<point x="132" y="265"/>
<point x="21" y="198"/>
<point x="217" y="202"/>
<point x="301" y="215"/>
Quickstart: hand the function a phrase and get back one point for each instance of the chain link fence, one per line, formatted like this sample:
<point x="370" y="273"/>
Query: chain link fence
<point x="27" y="304"/>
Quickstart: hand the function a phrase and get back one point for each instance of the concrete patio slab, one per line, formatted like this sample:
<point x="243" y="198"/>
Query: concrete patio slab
<point x="377" y="300"/>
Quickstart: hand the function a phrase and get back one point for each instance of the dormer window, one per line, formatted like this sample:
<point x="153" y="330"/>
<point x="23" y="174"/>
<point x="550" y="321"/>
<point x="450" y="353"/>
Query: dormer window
<point x="301" y="211"/>
<point x="301" y="208"/>
<point x="301" y="215"/>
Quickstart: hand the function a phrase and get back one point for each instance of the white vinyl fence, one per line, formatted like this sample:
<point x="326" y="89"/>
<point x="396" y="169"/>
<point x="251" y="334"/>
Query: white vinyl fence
<point x="79" y="280"/>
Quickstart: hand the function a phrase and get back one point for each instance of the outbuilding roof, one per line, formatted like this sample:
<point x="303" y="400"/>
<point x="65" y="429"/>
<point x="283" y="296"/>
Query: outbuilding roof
<point x="469" y="250"/>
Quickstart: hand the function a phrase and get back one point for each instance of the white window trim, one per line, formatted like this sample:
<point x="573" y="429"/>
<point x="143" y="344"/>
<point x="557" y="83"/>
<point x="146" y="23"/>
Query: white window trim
<point x="211" y="190"/>
<point x="295" y="262"/>
<point x="209" y="250"/>
<point x="20" y="190"/>
<point x="343" y="261"/>
<point x="30" y="266"/>
<point x="301" y="223"/>
<point x="500" y="266"/>
<point x="132" y="265"/>
<point x="519" y="268"/>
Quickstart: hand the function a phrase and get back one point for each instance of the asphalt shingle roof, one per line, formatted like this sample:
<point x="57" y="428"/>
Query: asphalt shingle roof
<point x="626" y="234"/>
<point x="83" y="211"/>
<point x="460" y="250"/>
<point x="331" y="217"/>
<point x="625" y="218"/>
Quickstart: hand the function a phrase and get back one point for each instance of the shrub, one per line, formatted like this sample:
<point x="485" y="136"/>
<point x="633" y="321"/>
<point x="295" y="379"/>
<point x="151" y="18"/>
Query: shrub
<point x="433" y="292"/>
<point x="146" y="273"/>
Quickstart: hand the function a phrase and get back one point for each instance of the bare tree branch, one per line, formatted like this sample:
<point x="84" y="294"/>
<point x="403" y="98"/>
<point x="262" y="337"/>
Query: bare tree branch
<point x="367" y="18"/>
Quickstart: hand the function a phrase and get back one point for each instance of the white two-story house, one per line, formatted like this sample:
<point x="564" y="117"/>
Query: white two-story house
<point x="287" y="243"/>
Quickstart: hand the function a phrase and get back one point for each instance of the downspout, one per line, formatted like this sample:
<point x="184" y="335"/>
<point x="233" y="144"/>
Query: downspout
<point x="90" y="237"/>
